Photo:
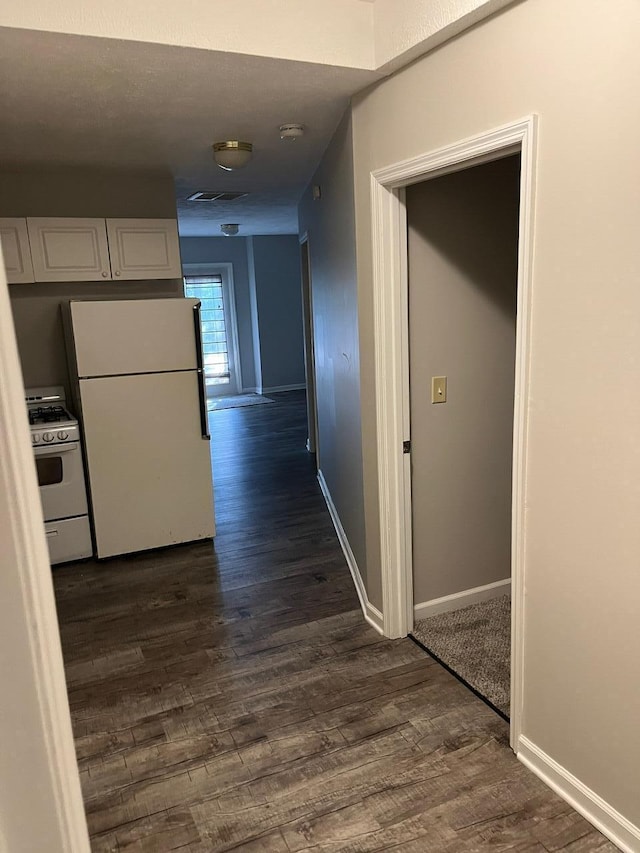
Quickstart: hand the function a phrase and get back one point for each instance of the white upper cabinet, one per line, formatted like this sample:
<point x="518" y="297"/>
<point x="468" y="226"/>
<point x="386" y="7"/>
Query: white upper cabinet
<point x="72" y="249"/>
<point x="15" y="250"/>
<point x="144" y="248"/>
<point x="69" y="249"/>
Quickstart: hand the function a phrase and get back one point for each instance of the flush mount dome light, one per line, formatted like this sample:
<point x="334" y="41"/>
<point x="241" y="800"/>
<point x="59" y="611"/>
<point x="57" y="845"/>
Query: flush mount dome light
<point x="232" y="154"/>
<point x="230" y="229"/>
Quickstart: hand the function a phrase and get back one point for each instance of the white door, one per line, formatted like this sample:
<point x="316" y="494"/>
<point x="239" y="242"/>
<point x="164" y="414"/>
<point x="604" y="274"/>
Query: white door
<point x="69" y="249"/>
<point x="213" y="287"/>
<point x="16" y="251"/>
<point x="149" y="465"/>
<point x="134" y="336"/>
<point x="144" y="248"/>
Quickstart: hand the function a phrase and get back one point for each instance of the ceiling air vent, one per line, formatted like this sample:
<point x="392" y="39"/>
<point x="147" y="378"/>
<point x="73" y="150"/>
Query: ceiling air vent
<point x="210" y="195"/>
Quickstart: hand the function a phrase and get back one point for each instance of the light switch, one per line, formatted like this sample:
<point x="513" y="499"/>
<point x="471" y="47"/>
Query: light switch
<point x="438" y="389"/>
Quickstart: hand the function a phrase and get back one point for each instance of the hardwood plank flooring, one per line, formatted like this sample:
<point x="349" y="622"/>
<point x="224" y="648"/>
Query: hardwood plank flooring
<point x="229" y="695"/>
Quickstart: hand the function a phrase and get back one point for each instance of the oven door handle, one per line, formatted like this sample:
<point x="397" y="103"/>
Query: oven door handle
<point x="56" y="449"/>
<point x="202" y="388"/>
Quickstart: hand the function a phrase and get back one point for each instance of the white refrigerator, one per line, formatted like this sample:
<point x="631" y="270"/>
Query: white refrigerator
<point x="139" y="387"/>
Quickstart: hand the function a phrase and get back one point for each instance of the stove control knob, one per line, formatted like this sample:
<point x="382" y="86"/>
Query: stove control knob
<point x="62" y="435"/>
<point x="48" y="436"/>
<point x="35" y="438"/>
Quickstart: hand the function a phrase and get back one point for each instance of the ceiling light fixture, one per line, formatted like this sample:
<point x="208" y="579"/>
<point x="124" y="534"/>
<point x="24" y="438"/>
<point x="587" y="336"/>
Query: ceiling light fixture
<point x="291" y="131"/>
<point x="232" y="154"/>
<point x="230" y="229"/>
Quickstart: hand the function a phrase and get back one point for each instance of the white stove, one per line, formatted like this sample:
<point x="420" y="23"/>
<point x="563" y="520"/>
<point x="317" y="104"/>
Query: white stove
<point x="49" y="420"/>
<point x="55" y="436"/>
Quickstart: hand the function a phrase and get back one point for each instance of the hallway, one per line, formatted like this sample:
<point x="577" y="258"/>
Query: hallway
<point x="232" y="697"/>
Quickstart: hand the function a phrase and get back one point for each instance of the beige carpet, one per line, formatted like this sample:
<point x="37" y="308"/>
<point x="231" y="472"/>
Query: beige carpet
<point x="475" y="643"/>
<point x="216" y="403"/>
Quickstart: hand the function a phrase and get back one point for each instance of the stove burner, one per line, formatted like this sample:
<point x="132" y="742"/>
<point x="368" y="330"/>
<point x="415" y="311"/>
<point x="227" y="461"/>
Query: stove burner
<point x="48" y="415"/>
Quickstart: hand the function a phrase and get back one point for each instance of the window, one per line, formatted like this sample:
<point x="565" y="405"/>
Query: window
<point x="215" y="340"/>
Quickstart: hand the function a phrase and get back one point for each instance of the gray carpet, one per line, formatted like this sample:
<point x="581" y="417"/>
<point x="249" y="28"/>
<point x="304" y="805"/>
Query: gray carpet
<point x="216" y="403"/>
<point x="475" y="642"/>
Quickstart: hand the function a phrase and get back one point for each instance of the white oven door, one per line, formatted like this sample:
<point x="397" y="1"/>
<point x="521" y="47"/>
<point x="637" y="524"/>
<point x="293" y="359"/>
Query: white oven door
<point x="61" y="481"/>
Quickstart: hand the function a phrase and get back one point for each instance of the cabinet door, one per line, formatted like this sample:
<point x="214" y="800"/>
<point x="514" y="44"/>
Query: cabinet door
<point x="16" y="251"/>
<point x="144" y="248"/>
<point x="69" y="249"/>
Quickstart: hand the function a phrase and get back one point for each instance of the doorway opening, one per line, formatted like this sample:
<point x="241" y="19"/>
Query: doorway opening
<point x="462" y="289"/>
<point x="393" y="416"/>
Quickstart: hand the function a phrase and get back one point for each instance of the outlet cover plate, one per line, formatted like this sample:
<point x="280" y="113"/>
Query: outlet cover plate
<point x="438" y="389"/>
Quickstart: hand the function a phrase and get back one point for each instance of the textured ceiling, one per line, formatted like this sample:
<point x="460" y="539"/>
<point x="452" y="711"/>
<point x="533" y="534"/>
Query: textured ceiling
<point x="76" y="100"/>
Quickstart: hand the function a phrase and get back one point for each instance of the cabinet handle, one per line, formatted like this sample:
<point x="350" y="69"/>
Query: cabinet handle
<point x="105" y="274"/>
<point x="117" y="272"/>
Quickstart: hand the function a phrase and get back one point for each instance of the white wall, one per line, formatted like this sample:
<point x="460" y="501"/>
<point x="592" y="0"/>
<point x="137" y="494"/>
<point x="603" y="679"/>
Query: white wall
<point x="331" y="32"/>
<point x="330" y="226"/>
<point x="231" y="250"/>
<point x="404" y="31"/>
<point x="76" y="192"/>
<point x="383" y="35"/>
<point x="576" y="65"/>
<point x="40" y="797"/>
<point x="463" y="267"/>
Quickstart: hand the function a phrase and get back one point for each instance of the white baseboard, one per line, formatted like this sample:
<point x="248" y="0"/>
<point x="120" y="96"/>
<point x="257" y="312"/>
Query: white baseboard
<point x="461" y="599"/>
<point x="371" y="613"/>
<point x="590" y="805"/>
<point x="275" y="388"/>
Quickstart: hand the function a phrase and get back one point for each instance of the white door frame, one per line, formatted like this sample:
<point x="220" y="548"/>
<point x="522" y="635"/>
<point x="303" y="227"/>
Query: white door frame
<point x="390" y="291"/>
<point x="34" y="707"/>
<point x="226" y="271"/>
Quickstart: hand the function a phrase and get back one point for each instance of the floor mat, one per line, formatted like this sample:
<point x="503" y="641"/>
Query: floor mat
<point x="216" y="403"/>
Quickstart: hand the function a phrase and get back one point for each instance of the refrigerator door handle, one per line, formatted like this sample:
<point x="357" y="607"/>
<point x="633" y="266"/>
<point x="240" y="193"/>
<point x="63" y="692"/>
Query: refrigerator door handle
<point x="202" y="389"/>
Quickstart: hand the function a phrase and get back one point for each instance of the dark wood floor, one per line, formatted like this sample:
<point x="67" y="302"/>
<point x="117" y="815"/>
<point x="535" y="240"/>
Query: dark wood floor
<point x="230" y="696"/>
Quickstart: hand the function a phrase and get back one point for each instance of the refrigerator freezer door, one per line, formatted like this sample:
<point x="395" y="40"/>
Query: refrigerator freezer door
<point x="149" y="468"/>
<point x="133" y="336"/>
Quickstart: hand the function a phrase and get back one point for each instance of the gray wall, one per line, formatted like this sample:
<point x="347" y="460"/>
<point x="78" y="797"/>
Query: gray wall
<point x="229" y="250"/>
<point x="463" y="257"/>
<point x="76" y="192"/>
<point x="577" y="70"/>
<point x="266" y="276"/>
<point x="278" y="291"/>
<point x="329" y="223"/>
